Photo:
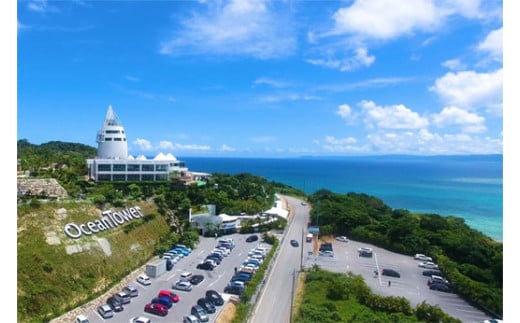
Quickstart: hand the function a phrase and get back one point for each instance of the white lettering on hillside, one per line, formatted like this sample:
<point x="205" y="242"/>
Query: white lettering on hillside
<point x="109" y="220"/>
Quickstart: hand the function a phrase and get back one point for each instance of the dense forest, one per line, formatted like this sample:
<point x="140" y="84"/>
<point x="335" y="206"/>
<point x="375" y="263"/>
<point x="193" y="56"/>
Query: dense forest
<point x="472" y="261"/>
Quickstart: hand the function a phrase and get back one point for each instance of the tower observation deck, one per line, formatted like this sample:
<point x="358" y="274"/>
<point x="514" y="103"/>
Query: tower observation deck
<point x="111" y="138"/>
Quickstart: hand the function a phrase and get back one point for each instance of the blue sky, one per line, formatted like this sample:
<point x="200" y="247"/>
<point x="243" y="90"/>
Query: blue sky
<point x="264" y="78"/>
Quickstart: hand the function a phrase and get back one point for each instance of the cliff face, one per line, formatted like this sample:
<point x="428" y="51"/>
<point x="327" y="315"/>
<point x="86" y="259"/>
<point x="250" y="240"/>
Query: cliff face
<point x="41" y="187"/>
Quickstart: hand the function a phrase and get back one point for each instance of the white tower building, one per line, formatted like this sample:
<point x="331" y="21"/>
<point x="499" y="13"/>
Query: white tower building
<point x="111" y="138"/>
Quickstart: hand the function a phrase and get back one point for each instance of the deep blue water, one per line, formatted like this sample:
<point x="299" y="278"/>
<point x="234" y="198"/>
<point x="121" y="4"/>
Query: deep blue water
<point x="469" y="187"/>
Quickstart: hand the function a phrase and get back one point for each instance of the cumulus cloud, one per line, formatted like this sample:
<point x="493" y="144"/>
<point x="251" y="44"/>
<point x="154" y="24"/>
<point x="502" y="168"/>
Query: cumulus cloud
<point x="343" y="145"/>
<point x="470" y="122"/>
<point x="471" y="90"/>
<point x="143" y="144"/>
<point x="237" y="27"/>
<point x="391" y="117"/>
<point x="492" y="44"/>
<point x="270" y="82"/>
<point x="424" y="142"/>
<point x="454" y="64"/>
<point x="344" y="111"/>
<point x="386" y="19"/>
<point x="166" y="144"/>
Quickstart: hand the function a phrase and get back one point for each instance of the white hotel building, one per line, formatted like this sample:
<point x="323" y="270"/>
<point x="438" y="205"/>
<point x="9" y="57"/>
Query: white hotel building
<point x="113" y="163"/>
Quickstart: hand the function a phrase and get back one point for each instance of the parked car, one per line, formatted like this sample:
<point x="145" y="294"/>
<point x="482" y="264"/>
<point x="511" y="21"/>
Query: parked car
<point x="420" y="256"/>
<point x="140" y="319"/>
<point x="429" y="265"/>
<point x="200" y="313"/>
<point x="252" y="238"/>
<point x="234" y="289"/>
<point x="365" y="252"/>
<point x="294" y="243"/>
<point x="190" y="319"/>
<point x="131" y="290"/>
<point x="432" y="272"/>
<point x="215" y="297"/>
<point x="326" y="253"/>
<point x="326" y="246"/>
<point x="390" y="272"/>
<point x="441" y="287"/>
<point x="166" y="301"/>
<point x="342" y="239"/>
<point x="205" y="266"/>
<point x="166" y="293"/>
<point x="196" y="279"/>
<point x="81" y="319"/>
<point x="182" y="285"/>
<point x="105" y="311"/>
<point x="437" y="279"/>
<point x="114" y="304"/>
<point x="214" y="257"/>
<point x="144" y="280"/>
<point x="207" y="305"/>
<point x="157" y="309"/>
<point x="169" y="264"/>
<point x="123" y="297"/>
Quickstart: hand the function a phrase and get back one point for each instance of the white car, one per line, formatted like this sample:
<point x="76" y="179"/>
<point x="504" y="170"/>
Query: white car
<point x="422" y="257"/>
<point x="428" y="265"/>
<point x="81" y="319"/>
<point x="182" y="285"/>
<point x="185" y="276"/>
<point x="342" y="239"/>
<point x="144" y="280"/>
<point x="140" y="319"/>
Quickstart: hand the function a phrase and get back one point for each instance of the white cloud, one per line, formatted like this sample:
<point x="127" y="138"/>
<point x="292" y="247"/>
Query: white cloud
<point x="238" y="27"/>
<point x="359" y="59"/>
<point x="192" y="147"/>
<point x="450" y="116"/>
<point x="344" y="111"/>
<point x="166" y="145"/>
<point x="454" y="64"/>
<point x="143" y="144"/>
<point x="471" y="90"/>
<point x="423" y="142"/>
<point x="225" y="147"/>
<point x="493" y="44"/>
<point x="37" y="5"/>
<point x="270" y="82"/>
<point x="386" y="19"/>
<point x="332" y="140"/>
<point x="391" y="117"/>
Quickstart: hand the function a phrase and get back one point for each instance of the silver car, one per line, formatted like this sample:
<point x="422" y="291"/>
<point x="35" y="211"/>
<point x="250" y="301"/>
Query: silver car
<point x="182" y="285"/>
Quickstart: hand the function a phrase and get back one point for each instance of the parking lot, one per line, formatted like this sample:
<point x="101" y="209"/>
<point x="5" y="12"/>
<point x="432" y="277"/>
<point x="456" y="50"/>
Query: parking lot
<point x="411" y="285"/>
<point x="216" y="280"/>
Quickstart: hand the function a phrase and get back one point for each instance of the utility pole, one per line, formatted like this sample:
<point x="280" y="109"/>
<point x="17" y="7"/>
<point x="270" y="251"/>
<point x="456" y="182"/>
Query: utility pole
<point x="292" y="296"/>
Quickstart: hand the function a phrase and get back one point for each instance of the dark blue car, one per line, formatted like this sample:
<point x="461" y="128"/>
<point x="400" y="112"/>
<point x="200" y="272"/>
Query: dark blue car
<point x="163" y="301"/>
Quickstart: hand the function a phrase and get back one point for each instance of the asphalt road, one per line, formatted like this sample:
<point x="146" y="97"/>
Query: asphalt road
<point x="274" y="305"/>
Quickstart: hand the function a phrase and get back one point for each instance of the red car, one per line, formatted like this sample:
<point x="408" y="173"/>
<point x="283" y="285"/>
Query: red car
<point x="157" y="309"/>
<point x="166" y="293"/>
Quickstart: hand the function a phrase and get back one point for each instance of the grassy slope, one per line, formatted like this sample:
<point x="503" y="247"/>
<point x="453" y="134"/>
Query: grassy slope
<point x="51" y="282"/>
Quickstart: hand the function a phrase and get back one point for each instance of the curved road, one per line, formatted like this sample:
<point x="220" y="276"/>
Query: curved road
<point x="274" y="304"/>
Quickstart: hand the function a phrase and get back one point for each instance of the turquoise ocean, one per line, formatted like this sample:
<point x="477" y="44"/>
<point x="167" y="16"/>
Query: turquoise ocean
<point x="469" y="187"/>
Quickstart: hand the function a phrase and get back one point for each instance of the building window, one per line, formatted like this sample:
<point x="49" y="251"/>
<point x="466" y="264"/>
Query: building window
<point x="117" y="139"/>
<point x="147" y="177"/>
<point x="161" y="177"/>
<point x="108" y="139"/>
<point x="104" y="168"/>
<point x="133" y="177"/>
<point x="133" y="168"/>
<point x="119" y="167"/>
<point x="147" y="167"/>
<point x="103" y="177"/>
<point x="118" y="177"/>
<point x="112" y="131"/>
<point x="161" y="167"/>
